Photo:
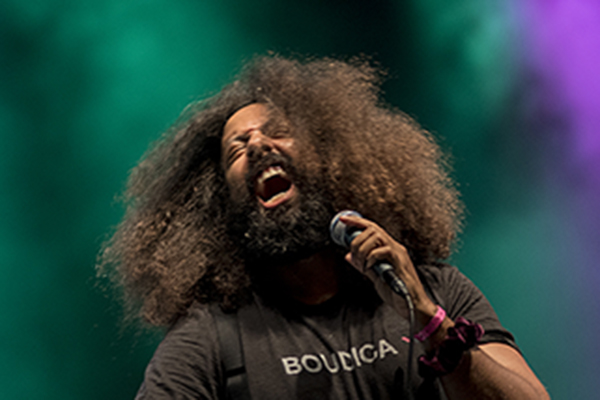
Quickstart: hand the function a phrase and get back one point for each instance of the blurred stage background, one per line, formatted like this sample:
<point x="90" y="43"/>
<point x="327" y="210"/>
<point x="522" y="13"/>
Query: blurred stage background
<point x="511" y="87"/>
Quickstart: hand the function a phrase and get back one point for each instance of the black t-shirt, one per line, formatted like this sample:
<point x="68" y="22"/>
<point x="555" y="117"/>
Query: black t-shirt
<point x="351" y="347"/>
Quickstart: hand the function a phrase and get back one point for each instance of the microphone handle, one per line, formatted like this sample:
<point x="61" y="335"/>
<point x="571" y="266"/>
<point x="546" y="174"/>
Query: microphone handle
<point x="386" y="273"/>
<point x="384" y="270"/>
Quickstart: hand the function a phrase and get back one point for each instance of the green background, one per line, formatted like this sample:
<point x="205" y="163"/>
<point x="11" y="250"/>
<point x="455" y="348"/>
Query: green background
<point x="87" y="85"/>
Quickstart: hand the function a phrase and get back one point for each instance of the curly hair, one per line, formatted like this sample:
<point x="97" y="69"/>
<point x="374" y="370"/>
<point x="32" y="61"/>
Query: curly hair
<point x="172" y="246"/>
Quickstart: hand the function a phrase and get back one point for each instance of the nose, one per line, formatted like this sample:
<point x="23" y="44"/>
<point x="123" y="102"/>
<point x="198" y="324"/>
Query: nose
<point x="258" y="144"/>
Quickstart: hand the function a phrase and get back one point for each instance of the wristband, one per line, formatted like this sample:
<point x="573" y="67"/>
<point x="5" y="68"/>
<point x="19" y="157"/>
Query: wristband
<point x="463" y="336"/>
<point x="435" y="323"/>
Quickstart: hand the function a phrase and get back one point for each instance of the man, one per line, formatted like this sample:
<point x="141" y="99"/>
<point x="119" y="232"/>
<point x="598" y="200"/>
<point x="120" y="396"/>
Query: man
<point x="231" y="209"/>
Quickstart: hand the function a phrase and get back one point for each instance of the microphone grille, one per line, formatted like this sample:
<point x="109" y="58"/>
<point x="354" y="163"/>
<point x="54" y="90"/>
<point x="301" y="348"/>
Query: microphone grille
<point x="339" y="230"/>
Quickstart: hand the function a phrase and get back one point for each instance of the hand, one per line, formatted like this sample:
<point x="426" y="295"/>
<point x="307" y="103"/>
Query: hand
<point x="374" y="245"/>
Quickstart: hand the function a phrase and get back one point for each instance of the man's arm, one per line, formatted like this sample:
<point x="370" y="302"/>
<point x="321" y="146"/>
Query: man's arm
<point x="493" y="371"/>
<point x="488" y="371"/>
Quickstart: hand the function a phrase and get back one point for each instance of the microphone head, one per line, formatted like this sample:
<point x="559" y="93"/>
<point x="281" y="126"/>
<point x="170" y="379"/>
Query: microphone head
<point x="340" y="234"/>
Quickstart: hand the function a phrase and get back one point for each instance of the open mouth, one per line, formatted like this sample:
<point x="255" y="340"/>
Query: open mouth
<point x="273" y="187"/>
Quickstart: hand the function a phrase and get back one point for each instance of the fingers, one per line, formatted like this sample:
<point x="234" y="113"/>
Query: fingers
<point x="382" y="254"/>
<point x="356" y="222"/>
<point x="363" y="245"/>
<point x="374" y="245"/>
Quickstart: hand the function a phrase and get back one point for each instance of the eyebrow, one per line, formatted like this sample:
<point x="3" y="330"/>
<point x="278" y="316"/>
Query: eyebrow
<point x="264" y="127"/>
<point x="235" y="135"/>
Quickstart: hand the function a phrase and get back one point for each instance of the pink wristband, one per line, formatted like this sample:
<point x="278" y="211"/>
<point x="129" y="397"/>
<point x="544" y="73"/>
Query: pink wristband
<point x="435" y="323"/>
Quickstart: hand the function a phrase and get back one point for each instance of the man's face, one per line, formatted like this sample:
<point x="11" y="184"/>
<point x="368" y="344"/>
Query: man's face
<point x="278" y="209"/>
<point x="249" y="135"/>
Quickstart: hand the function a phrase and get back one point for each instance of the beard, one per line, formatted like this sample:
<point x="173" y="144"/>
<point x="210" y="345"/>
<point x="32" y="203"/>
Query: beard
<point x="289" y="232"/>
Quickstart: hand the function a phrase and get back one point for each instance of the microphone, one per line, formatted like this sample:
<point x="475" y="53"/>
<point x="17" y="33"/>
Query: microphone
<point x="343" y="235"/>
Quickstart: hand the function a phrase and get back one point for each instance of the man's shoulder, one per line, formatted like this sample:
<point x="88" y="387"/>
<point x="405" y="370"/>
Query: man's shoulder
<point x="439" y="273"/>
<point x="196" y="325"/>
<point x="447" y="285"/>
<point x="196" y="313"/>
<point x="187" y="359"/>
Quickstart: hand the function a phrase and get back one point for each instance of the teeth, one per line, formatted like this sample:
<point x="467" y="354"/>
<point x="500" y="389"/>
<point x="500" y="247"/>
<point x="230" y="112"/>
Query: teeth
<point x="270" y="172"/>
<point x="276" y="197"/>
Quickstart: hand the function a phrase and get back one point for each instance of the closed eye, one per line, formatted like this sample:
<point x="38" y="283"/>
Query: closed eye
<point x="276" y="129"/>
<point x="236" y="148"/>
<point x="234" y="152"/>
<point x="280" y="133"/>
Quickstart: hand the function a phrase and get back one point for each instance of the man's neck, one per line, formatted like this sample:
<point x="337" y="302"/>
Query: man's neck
<point x="312" y="280"/>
